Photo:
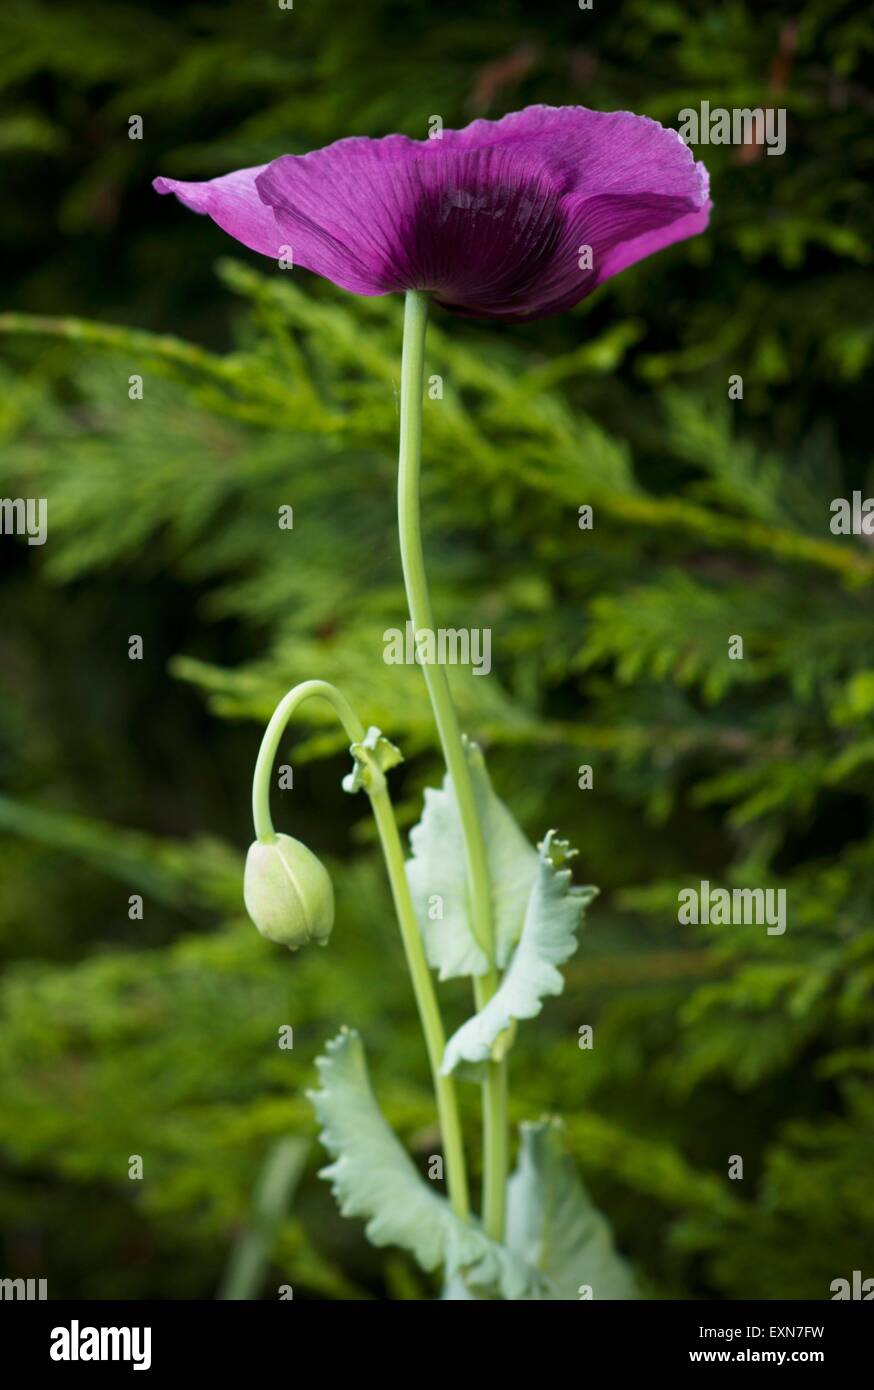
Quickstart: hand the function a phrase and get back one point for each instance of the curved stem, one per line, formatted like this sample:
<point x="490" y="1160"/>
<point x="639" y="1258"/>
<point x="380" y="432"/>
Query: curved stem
<point x="307" y="690"/>
<point x="420" y="975"/>
<point x="426" y="999"/>
<point x="476" y="862"/>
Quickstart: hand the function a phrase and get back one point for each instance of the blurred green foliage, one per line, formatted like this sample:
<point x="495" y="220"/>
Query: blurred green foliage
<point x="159" y="1037"/>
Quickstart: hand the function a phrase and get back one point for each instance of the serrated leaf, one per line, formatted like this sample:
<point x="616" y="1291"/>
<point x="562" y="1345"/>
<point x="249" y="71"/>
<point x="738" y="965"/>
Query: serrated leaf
<point x="437" y="869"/>
<point x="549" y="937"/>
<point x="553" y="1225"/>
<point x="373" y="1177"/>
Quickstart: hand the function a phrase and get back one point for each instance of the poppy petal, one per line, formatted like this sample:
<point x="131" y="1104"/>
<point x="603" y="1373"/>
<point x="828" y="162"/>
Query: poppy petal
<point x="493" y="220"/>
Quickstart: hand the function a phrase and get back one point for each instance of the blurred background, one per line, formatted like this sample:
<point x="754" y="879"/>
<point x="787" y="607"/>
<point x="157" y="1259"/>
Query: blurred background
<point x="158" y="1037"/>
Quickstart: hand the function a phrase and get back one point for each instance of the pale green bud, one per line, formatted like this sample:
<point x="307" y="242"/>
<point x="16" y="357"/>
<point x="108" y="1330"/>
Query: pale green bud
<point x="288" y="893"/>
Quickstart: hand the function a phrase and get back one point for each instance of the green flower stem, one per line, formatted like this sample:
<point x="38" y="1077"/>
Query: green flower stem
<point x="419" y="602"/>
<point x="426" y="999"/>
<point x="420" y="975"/>
<point x="307" y="690"/>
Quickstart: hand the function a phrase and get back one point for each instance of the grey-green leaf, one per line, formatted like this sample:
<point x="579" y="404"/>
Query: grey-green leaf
<point x="437" y="875"/>
<point x="549" y="937"/>
<point x="373" y="1177"/>
<point x="552" y="1224"/>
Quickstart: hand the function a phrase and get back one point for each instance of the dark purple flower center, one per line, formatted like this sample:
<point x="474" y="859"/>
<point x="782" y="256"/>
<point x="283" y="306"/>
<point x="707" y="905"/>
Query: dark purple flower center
<point x="482" y="229"/>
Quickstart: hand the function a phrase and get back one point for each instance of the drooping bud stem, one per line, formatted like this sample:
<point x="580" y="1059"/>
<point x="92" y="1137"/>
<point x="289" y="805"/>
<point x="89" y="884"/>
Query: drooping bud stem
<point x="307" y="690"/>
<point x="291" y="904"/>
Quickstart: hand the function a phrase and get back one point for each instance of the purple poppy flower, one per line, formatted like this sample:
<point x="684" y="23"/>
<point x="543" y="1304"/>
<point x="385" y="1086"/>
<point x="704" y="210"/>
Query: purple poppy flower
<point x="509" y="219"/>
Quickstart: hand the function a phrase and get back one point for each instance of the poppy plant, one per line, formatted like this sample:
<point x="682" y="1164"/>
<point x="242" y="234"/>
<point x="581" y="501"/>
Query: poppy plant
<point x="508" y="220"/>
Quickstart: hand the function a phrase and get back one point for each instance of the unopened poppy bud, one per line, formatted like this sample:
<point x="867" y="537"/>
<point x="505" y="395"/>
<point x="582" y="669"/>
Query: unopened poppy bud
<point x="288" y="893"/>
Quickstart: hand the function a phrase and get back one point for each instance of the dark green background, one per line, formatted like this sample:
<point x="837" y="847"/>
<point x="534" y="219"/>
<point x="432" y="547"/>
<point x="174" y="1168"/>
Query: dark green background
<point x="158" y="1037"/>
